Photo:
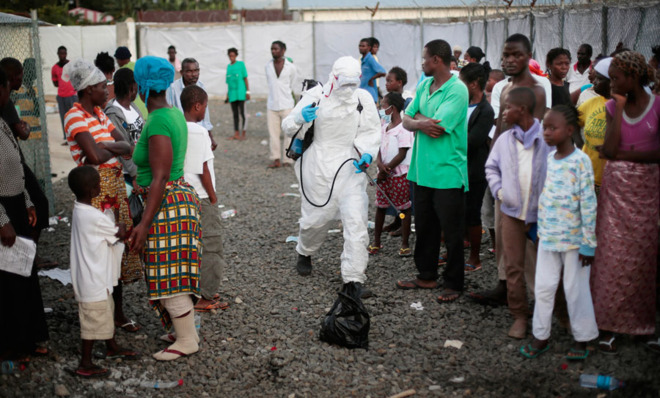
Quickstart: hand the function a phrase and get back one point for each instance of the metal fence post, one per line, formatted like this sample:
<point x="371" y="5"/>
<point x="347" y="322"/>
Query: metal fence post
<point x="470" y="26"/>
<point x="421" y="26"/>
<point x="532" y="31"/>
<point x="561" y="24"/>
<point x="639" y="30"/>
<point x="603" y="30"/>
<point x="485" y="29"/>
<point x="45" y="172"/>
<point x="243" y="39"/>
<point x="314" y="45"/>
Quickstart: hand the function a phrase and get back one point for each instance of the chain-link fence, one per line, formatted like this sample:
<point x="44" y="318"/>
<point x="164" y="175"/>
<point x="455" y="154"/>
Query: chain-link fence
<point x="20" y="40"/>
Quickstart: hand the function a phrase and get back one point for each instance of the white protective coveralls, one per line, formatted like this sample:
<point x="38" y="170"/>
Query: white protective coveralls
<point x="340" y="131"/>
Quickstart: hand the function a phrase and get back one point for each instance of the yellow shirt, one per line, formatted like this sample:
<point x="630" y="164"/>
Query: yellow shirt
<point x="592" y="118"/>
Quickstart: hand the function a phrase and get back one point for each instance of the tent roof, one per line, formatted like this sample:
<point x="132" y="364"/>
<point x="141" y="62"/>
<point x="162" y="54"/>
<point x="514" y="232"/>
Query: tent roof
<point x="17" y="19"/>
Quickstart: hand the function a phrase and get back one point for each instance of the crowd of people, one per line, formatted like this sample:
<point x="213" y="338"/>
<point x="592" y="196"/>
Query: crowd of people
<point x="560" y="167"/>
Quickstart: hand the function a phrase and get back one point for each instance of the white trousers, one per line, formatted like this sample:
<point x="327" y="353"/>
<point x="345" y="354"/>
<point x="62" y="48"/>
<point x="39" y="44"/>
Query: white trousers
<point x="278" y="141"/>
<point x="549" y="268"/>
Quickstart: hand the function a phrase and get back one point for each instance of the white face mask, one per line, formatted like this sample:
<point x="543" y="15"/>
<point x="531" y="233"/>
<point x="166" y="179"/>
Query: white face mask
<point x="385" y="117"/>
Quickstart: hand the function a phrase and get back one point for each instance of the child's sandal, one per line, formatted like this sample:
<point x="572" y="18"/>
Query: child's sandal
<point x="374" y="249"/>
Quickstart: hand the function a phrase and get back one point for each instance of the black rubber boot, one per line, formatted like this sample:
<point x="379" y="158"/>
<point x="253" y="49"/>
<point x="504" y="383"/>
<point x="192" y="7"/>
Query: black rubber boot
<point x="304" y="265"/>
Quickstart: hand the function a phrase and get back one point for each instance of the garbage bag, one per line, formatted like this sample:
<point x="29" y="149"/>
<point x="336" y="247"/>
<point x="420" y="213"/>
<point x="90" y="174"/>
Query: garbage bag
<point x="347" y="323"/>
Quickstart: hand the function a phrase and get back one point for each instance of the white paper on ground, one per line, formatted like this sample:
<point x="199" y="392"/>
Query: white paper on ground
<point x="334" y="231"/>
<point x="295" y="195"/>
<point x="18" y="259"/>
<point x="418" y="306"/>
<point x="59" y="274"/>
<point x="453" y="343"/>
<point x="291" y="239"/>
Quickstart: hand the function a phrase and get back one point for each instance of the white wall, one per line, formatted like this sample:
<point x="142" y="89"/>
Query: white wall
<point x="80" y="41"/>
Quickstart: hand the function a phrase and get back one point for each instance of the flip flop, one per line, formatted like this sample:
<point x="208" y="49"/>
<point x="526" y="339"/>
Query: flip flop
<point x="374" y="249"/>
<point x="90" y="373"/>
<point x="653" y="345"/>
<point x="607" y="346"/>
<point x="412" y="285"/>
<point x="579" y="355"/>
<point x="442" y="260"/>
<point x="210" y="307"/>
<point x="446" y="297"/>
<point x="405" y="252"/>
<point x="168" y="337"/>
<point x="472" y="268"/>
<point x="124" y="354"/>
<point x="530" y="352"/>
<point x="171" y="351"/>
<point x="130" y="326"/>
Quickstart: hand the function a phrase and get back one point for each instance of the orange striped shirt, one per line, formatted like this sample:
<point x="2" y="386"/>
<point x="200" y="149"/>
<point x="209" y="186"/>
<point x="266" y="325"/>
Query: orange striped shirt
<point x="78" y="120"/>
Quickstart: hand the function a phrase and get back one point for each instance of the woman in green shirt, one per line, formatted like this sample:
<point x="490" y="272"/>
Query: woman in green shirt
<point x="238" y="90"/>
<point x="169" y="231"/>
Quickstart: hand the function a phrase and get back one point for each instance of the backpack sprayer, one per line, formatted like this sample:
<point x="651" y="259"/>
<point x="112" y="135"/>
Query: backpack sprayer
<point x="297" y="148"/>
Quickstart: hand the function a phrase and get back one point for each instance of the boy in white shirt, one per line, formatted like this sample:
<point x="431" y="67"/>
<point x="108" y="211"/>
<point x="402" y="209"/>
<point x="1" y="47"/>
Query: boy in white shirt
<point x="198" y="172"/>
<point x="96" y="253"/>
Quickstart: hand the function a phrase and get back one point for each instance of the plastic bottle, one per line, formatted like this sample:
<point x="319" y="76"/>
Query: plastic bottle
<point x="228" y="213"/>
<point x="600" y="381"/>
<point x="198" y="322"/>
<point x="10" y="367"/>
<point x="161" y="384"/>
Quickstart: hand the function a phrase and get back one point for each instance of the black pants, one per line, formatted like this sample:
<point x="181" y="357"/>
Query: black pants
<point x="238" y="106"/>
<point x="21" y="307"/>
<point x="437" y="211"/>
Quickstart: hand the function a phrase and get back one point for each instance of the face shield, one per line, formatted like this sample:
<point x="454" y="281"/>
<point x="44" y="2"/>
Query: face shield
<point x="345" y="76"/>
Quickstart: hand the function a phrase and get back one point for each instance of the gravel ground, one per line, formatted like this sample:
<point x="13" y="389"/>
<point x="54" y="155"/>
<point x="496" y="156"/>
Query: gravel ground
<point x="266" y="343"/>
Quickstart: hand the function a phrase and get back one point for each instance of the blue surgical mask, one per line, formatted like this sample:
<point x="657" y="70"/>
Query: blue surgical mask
<point x="385" y="117"/>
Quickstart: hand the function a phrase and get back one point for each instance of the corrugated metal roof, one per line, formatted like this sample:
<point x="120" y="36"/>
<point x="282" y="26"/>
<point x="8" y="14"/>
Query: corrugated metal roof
<point x="360" y="4"/>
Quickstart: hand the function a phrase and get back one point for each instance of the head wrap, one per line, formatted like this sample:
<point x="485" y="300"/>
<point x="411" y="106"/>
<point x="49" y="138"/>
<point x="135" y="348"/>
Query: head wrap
<point x="535" y="68"/>
<point x="123" y="53"/>
<point x="82" y="74"/>
<point x="603" y="67"/>
<point x="633" y="63"/>
<point x="153" y="73"/>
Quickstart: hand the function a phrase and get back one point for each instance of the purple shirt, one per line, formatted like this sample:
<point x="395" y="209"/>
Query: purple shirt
<point x="640" y="133"/>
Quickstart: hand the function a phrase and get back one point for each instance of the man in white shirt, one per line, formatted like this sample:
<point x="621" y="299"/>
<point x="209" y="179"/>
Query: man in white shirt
<point x="189" y="75"/>
<point x="578" y="73"/>
<point x="281" y="77"/>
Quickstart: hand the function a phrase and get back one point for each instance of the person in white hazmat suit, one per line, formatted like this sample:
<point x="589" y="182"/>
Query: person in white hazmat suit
<point x="346" y="126"/>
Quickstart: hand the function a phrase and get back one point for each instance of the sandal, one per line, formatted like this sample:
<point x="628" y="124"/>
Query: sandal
<point x="168" y="337"/>
<point x="413" y="284"/>
<point x="577" y="355"/>
<point x="448" y="296"/>
<point x="530" y="352"/>
<point x="129" y="326"/>
<point x="653" y="345"/>
<point x="472" y="268"/>
<point x="442" y="260"/>
<point x="89" y="373"/>
<point x="374" y="249"/>
<point x="123" y="354"/>
<point x="405" y="252"/>
<point x="607" y="346"/>
<point x="170" y="351"/>
<point x="210" y="307"/>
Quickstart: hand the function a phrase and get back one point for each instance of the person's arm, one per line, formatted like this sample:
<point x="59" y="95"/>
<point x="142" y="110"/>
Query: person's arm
<point x="294" y="120"/>
<point x="539" y="110"/>
<point x="376" y="76"/>
<point x="160" y="162"/>
<point x="613" y="131"/>
<point x="415" y="121"/>
<point x="493" y="172"/>
<point x="247" y="85"/>
<point x="53" y="76"/>
<point x="367" y="139"/>
<point x="639" y="157"/>
<point x="400" y="156"/>
<point x="587" y="213"/>
<point x="478" y="134"/>
<point x="207" y="183"/>
<point x="94" y="154"/>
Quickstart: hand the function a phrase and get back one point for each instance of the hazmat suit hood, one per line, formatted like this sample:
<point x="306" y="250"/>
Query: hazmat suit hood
<point x="344" y="79"/>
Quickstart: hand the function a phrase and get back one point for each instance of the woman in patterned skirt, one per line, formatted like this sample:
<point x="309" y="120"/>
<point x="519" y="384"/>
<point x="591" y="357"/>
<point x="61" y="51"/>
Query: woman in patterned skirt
<point x="623" y="274"/>
<point x="93" y="141"/>
<point x="170" y="232"/>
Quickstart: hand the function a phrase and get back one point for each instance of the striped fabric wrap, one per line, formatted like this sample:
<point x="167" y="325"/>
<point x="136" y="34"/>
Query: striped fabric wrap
<point x="113" y="196"/>
<point x="173" y="250"/>
<point x="78" y="120"/>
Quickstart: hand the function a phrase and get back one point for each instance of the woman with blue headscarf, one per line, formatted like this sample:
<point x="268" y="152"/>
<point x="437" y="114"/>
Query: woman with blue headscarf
<point x="169" y="232"/>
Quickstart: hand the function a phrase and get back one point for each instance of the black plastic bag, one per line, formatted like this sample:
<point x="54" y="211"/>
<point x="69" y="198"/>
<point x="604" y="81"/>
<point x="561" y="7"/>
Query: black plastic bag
<point x="135" y="208"/>
<point x="347" y="324"/>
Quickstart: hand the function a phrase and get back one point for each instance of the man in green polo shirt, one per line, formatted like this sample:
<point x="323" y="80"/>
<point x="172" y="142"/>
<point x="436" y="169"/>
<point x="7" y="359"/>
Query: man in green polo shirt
<point x="438" y="115"/>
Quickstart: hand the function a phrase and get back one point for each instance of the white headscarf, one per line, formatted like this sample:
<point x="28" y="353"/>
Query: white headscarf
<point x="82" y="74"/>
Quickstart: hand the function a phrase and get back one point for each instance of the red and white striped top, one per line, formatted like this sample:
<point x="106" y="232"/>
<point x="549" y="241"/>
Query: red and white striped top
<point x="78" y="120"/>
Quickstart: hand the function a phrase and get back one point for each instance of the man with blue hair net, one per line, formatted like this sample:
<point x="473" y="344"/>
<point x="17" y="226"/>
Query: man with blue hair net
<point x="346" y="126"/>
